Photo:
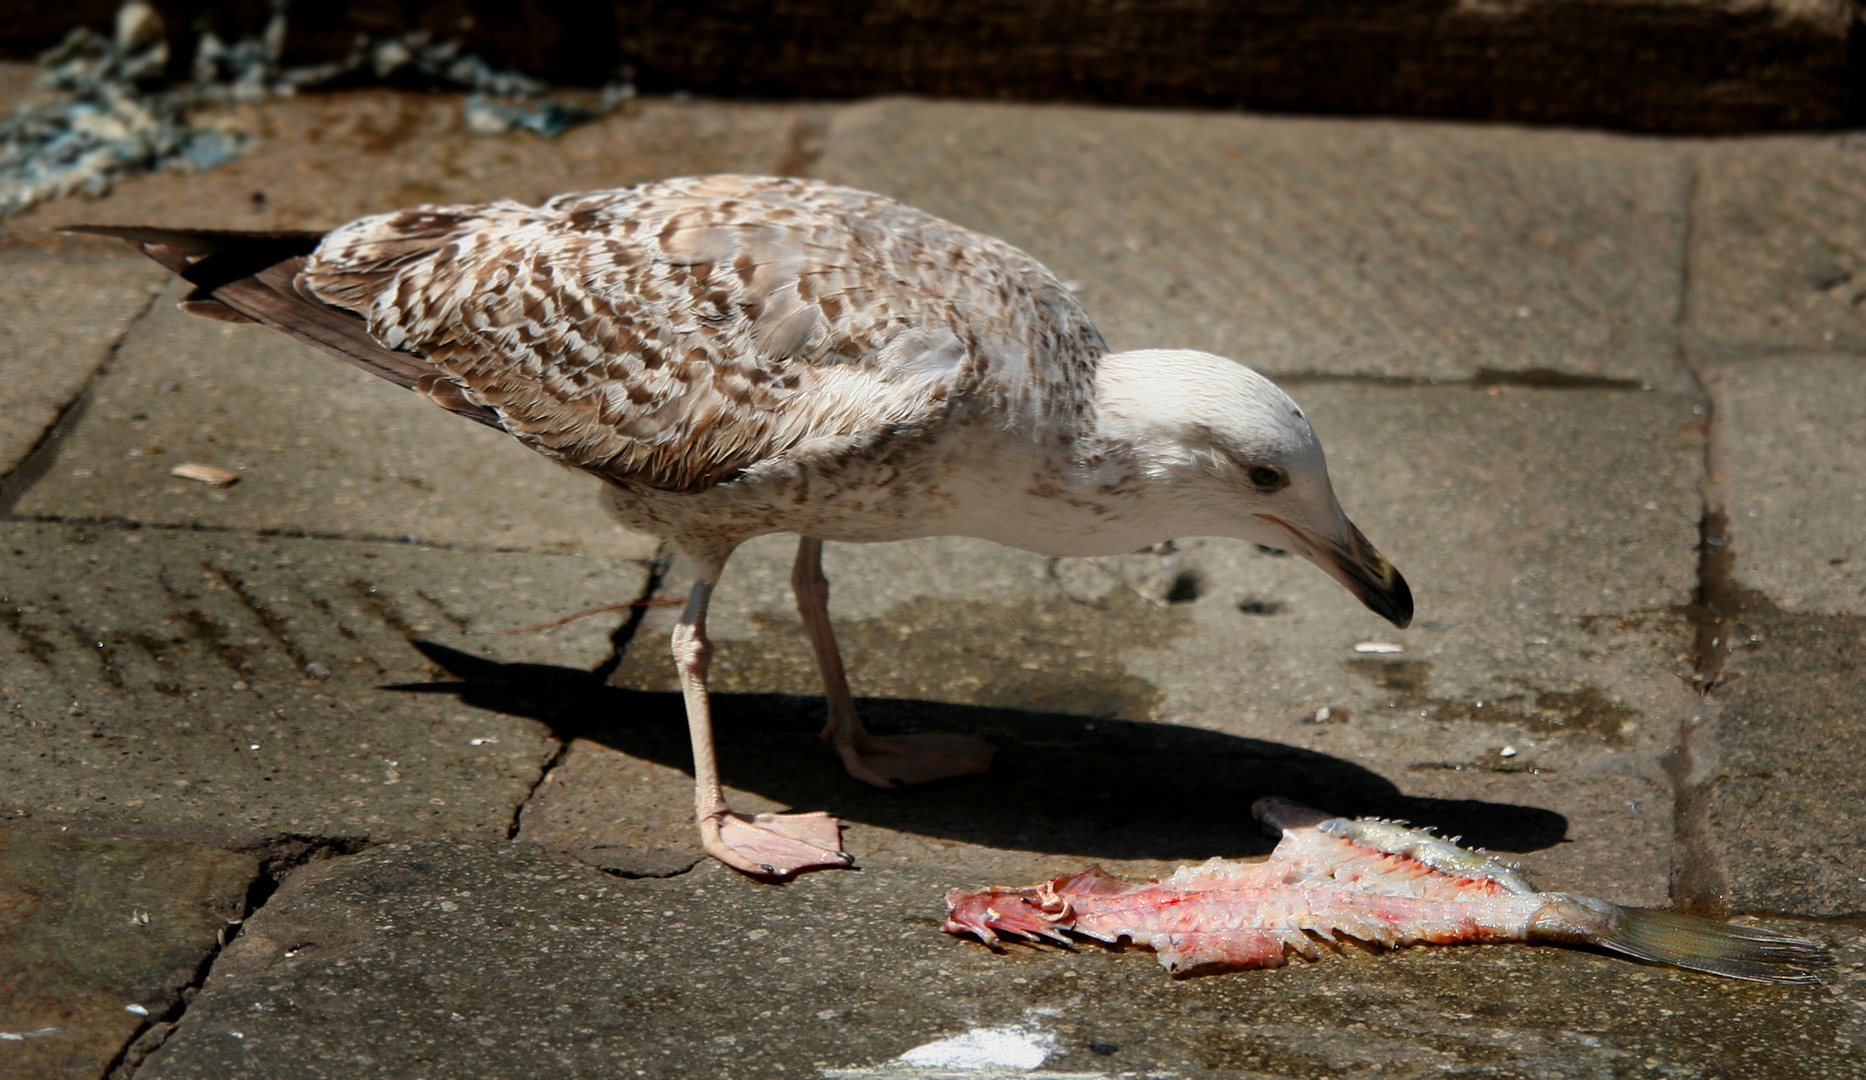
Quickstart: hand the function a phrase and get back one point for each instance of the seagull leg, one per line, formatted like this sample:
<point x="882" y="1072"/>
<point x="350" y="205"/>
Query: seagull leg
<point x="886" y="761"/>
<point x="767" y="845"/>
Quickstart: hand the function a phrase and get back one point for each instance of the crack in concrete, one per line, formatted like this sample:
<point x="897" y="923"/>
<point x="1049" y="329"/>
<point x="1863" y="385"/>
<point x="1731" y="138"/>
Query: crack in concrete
<point x="624" y="635"/>
<point x="44" y="453"/>
<point x="278" y="858"/>
<point x="1700" y="883"/>
<point x="643" y="875"/>
<point x="544" y="777"/>
<point x="619" y="641"/>
<point x="1687" y="241"/>
<point x="1719" y="598"/>
<point x="1700" y="880"/>
<point x="633" y="875"/>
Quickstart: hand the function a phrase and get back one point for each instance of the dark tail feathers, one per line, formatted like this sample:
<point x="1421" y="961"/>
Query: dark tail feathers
<point x="252" y="277"/>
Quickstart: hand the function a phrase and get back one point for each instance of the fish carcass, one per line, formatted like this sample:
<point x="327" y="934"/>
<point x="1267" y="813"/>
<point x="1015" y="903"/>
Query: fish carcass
<point x="1373" y="881"/>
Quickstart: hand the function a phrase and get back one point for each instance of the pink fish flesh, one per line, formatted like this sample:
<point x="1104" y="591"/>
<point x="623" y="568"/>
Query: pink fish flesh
<point x="1370" y="880"/>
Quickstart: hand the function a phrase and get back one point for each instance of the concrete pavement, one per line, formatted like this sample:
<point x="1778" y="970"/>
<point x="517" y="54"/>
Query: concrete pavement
<point x="441" y="957"/>
<point x="1599" y="397"/>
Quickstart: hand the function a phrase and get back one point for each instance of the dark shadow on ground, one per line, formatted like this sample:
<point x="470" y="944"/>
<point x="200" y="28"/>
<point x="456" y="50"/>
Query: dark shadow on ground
<point x="1111" y="789"/>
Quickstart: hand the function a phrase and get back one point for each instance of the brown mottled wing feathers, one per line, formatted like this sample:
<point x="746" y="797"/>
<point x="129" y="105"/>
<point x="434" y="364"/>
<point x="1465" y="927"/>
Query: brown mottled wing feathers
<point x="677" y="334"/>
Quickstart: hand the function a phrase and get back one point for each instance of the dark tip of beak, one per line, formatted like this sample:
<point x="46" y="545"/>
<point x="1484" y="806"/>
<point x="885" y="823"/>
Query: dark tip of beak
<point x="1356" y="564"/>
<point x="1391" y="600"/>
<point x="1369" y="575"/>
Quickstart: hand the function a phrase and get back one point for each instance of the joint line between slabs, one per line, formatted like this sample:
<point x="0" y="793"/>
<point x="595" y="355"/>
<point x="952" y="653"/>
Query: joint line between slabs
<point x="1699" y="880"/>
<point x="44" y="453"/>
<point x="124" y="524"/>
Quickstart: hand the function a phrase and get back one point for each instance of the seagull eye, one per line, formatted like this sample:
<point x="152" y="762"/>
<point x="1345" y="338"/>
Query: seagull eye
<point x="1267" y="478"/>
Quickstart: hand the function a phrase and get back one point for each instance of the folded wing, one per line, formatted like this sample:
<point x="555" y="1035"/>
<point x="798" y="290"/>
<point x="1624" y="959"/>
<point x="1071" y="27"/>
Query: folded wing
<point x="677" y="334"/>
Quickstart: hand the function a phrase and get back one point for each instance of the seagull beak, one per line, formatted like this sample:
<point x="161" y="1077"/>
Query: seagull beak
<point x="1364" y="571"/>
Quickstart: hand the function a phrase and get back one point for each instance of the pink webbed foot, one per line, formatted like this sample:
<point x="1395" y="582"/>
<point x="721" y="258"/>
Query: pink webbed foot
<point x="891" y="761"/>
<point x="775" y="845"/>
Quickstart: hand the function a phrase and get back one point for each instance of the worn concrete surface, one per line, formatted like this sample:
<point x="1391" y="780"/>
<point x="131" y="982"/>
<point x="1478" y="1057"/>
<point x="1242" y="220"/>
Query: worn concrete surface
<point x="1779" y="251"/>
<point x="1781" y="766"/>
<point x="322" y="448"/>
<point x="1791" y="468"/>
<point x="60" y="317"/>
<point x="1363" y="248"/>
<point x="1775" y="771"/>
<point x="450" y="958"/>
<point x="237" y="688"/>
<point x="1549" y="524"/>
<point x="99" y="938"/>
<point x="1775" y="328"/>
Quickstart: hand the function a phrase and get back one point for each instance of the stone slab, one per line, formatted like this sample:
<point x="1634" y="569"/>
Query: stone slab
<point x="322" y="448"/>
<point x="98" y="938"/>
<point x="450" y="958"/>
<point x="1790" y="464"/>
<point x="59" y="319"/>
<point x="242" y="689"/>
<point x="1142" y="702"/>
<point x="319" y="160"/>
<point x="1299" y="246"/>
<point x="1783" y="790"/>
<point x="1778" y="253"/>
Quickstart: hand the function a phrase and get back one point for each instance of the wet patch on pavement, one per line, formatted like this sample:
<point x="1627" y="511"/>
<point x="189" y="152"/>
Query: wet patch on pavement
<point x="99" y="939"/>
<point x="1586" y="711"/>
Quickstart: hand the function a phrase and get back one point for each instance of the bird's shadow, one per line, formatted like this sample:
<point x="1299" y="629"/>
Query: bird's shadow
<point x="1110" y="789"/>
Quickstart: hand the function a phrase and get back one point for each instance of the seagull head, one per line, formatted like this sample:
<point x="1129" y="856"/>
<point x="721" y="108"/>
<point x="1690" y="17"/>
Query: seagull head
<point x="1224" y="452"/>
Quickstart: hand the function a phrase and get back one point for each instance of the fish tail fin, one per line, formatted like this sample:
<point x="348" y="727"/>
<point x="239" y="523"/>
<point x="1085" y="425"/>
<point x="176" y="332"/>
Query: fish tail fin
<point x="1682" y="941"/>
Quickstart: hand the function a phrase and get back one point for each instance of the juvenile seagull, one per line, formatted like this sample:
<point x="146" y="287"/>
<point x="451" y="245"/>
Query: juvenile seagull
<point x="742" y="355"/>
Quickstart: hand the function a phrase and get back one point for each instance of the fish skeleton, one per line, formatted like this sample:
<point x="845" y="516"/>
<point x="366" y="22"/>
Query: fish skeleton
<point x="1374" y="881"/>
